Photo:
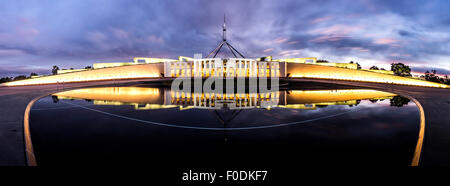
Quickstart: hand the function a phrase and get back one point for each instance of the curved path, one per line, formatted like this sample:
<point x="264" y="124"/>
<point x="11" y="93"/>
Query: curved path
<point x="435" y="101"/>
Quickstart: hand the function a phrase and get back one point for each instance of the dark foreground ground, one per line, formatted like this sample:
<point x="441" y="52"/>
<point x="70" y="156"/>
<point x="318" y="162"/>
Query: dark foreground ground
<point x="436" y="103"/>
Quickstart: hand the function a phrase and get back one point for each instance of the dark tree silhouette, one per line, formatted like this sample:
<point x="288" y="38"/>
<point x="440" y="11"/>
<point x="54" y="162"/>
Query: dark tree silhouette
<point x="374" y="68"/>
<point x="401" y="69"/>
<point x="398" y="101"/>
<point x="21" y="77"/>
<point x="5" y="79"/>
<point x="434" y="78"/>
<point x="55" y="70"/>
<point x="55" y="99"/>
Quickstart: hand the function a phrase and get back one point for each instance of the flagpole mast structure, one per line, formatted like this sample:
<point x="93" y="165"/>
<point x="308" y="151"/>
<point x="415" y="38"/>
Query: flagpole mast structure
<point x="224" y="42"/>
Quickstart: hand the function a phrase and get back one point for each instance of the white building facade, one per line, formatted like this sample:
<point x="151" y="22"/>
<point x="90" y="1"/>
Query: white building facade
<point x="227" y="68"/>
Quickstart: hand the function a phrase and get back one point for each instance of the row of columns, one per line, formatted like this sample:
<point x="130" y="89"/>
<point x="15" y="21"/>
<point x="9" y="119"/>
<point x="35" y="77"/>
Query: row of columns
<point x="203" y="100"/>
<point x="214" y="67"/>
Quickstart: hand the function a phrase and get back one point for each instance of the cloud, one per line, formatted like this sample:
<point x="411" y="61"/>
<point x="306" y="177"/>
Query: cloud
<point x="387" y="41"/>
<point x="320" y="19"/>
<point x="289" y="53"/>
<point x="155" y="39"/>
<point x="12" y="71"/>
<point x="280" y="40"/>
<point x="75" y="33"/>
<point x="328" y="38"/>
<point x="338" y="29"/>
<point x="120" y="33"/>
<point x="422" y="70"/>
<point x="399" y="55"/>
<point x="268" y="50"/>
<point x="11" y="52"/>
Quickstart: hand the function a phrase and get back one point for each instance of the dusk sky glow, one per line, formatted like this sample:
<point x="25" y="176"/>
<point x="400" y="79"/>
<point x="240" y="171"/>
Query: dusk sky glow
<point x="35" y="35"/>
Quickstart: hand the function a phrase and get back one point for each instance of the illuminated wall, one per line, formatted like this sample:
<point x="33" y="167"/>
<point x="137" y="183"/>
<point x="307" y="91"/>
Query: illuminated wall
<point x="116" y="94"/>
<point x="184" y="58"/>
<point x="63" y="71"/>
<point x="232" y="67"/>
<point x="143" y="98"/>
<point x="341" y="65"/>
<point x="297" y="60"/>
<point x="108" y="65"/>
<point x="136" y="60"/>
<point x="313" y="60"/>
<point x="382" y="71"/>
<point x="123" y="72"/>
<point x="324" y="96"/>
<point x="150" y="60"/>
<point x="299" y="70"/>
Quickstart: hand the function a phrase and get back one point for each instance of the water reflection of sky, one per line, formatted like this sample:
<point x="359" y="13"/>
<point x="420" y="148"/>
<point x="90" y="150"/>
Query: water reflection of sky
<point x="372" y="128"/>
<point x="226" y="118"/>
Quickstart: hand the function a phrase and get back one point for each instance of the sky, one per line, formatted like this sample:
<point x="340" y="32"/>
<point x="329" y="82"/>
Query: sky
<point x="37" y="34"/>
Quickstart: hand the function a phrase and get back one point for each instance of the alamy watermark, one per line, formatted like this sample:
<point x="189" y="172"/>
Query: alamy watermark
<point x="233" y="85"/>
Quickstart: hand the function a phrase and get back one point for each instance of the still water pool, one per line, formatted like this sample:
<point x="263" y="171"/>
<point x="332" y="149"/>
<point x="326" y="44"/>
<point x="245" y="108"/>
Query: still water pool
<point x="154" y="126"/>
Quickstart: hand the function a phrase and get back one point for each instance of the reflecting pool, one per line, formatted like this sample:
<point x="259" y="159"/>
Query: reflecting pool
<point x="155" y="126"/>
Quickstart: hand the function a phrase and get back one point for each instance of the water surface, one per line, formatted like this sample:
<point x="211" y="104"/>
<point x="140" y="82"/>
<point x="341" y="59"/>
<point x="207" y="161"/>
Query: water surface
<point x="159" y="127"/>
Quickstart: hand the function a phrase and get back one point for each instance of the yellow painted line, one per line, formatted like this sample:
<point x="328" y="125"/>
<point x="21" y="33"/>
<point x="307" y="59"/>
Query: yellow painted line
<point x="418" y="150"/>
<point x="31" y="159"/>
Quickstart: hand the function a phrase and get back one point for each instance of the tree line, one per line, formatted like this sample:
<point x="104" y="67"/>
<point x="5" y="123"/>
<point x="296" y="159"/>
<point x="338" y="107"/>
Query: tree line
<point x="19" y="77"/>
<point x="431" y="76"/>
<point x="54" y="71"/>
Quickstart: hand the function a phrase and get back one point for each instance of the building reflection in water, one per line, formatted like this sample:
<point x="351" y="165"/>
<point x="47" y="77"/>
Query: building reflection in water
<point x="157" y="98"/>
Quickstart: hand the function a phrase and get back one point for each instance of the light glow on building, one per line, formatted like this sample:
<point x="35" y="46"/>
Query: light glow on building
<point x="116" y="73"/>
<point x="324" y="72"/>
<point x="153" y="98"/>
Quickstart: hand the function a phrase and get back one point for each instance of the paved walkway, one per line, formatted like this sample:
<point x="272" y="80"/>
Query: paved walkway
<point x="436" y="103"/>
